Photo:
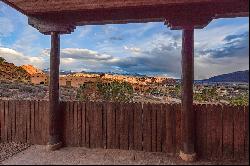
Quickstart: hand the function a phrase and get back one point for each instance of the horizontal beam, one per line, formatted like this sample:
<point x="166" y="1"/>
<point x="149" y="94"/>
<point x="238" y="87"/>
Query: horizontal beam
<point x="176" y="17"/>
<point x="30" y="7"/>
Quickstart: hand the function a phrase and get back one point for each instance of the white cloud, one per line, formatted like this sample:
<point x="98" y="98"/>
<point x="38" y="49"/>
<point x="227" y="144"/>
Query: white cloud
<point x="206" y="67"/>
<point x="19" y="59"/>
<point x="133" y="50"/>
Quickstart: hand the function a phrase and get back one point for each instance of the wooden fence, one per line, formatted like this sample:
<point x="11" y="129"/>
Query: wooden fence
<point x="222" y="131"/>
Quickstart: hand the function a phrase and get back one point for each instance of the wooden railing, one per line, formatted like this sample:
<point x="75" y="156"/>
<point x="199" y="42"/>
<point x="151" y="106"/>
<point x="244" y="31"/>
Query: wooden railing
<point x="222" y="131"/>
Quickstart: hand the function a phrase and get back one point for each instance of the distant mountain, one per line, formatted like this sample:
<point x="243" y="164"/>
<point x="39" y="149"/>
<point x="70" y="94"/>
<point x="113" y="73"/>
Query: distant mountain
<point x="10" y="72"/>
<point x="61" y="72"/>
<point x="239" y="76"/>
<point x="31" y="69"/>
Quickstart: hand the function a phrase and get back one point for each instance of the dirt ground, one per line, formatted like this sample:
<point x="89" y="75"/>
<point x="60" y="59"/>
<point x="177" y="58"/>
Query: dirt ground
<point x="11" y="148"/>
<point x="37" y="155"/>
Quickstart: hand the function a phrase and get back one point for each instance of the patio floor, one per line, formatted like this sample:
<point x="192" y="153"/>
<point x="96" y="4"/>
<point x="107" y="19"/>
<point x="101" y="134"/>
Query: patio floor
<point x="37" y="155"/>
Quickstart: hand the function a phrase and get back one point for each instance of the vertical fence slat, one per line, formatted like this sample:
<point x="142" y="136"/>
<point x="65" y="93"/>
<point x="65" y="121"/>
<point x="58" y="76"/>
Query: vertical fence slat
<point x="154" y="127"/>
<point x="47" y="120"/>
<point x="159" y="128"/>
<point x="71" y="123"/>
<point x="239" y="131"/>
<point x="110" y="126"/>
<point x="12" y="118"/>
<point x="63" y="108"/>
<point x="210" y="131"/>
<point x="97" y="128"/>
<point x="28" y="121"/>
<point x="214" y="131"/>
<point x="92" y="128"/>
<point x="83" y="124"/>
<point x="25" y="119"/>
<point x="79" y="124"/>
<point x="7" y="107"/>
<point x="75" y="139"/>
<point x="18" y="121"/>
<point x="177" y="136"/>
<point x="246" y="110"/>
<point x="66" y="124"/>
<point x="147" y="136"/>
<point x="228" y="130"/>
<point x="164" y="128"/>
<point x="3" y="122"/>
<point x="117" y="125"/>
<point x="6" y="120"/>
<point x="219" y="132"/>
<point x="104" y="125"/>
<point x="32" y="121"/>
<point x="201" y="130"/>
<point x="37" y="126"/>
<point x="42" y="128"/>
<point x="40" y="123"/>
<point x="138" y="128"/>
<point x="131" y="107"/>
<point x="170" y="126"/>
<point x="88" y="119"/>
<point x="124" y="137"/>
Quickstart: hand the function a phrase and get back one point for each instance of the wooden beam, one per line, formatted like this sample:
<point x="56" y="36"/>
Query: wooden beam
<point x="31" y="7"/>
<point x="54" y="114"/>
<point x="187" y="151"/>
<point x="47" y="26"/>
<point x="175" y="16"/>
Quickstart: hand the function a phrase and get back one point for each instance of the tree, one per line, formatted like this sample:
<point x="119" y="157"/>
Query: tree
<point x="242" y="100"/>
<point x="2" y="60"/>
<point x="114" y="91"/>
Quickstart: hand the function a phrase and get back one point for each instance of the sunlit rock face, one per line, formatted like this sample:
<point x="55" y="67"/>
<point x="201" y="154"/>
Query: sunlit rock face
<point x="31" y="69"/>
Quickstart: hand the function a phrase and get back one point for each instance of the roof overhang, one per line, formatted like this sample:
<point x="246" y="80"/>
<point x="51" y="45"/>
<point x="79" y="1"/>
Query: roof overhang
<point x="66" y="14"/>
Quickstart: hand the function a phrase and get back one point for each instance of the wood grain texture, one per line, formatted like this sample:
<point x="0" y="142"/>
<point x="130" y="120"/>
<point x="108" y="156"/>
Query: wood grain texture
<point x="63" y="16"/>
<point x="38" y="6"/>
<point x="214" y="131"/>
<point x="138" y="127"/>
<point x="221" y="131"/>
<point x="201" y="130"/>
<point x="147" y="130"/>
<point x="228" y="132"/>
<point x="239" y="133"/>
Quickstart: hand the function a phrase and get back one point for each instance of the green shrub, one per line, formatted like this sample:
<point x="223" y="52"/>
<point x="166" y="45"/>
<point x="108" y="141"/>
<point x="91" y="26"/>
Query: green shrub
<point x="242" y="100"/>
<point x="2" y="60"/>
<point x="100" y="91"/>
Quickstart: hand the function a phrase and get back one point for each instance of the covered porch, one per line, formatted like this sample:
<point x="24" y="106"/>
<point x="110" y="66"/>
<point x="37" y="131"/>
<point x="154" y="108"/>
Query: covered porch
<point x="56" y="18"/>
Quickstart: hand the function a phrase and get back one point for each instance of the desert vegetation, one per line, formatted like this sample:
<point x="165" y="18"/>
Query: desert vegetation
<point x="100" y="91"/>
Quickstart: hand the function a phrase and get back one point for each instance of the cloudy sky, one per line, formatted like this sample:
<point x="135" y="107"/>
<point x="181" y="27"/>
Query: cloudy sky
<point x="151" y="48"/>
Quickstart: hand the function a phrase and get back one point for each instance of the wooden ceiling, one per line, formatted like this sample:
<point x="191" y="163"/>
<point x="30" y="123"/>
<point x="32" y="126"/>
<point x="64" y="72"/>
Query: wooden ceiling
<point x="44" y="6"/>
<point x="176" y="13"/>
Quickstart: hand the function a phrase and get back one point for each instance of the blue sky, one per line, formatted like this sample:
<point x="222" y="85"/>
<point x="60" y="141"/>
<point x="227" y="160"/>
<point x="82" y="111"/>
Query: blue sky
<point x="150" y="48"/>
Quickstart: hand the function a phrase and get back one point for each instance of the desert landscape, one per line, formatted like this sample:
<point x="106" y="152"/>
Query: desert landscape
<point x="131" y="82"/>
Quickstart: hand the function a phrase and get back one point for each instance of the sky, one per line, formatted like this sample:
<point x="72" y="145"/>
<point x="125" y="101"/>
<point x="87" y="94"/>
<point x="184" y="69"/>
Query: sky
<point x="144" y="48"/>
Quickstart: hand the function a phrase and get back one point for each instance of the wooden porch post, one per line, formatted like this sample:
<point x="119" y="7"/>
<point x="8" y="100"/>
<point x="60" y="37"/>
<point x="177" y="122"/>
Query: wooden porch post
<point x="54" y="114"/>
<point x="187" y="152"/>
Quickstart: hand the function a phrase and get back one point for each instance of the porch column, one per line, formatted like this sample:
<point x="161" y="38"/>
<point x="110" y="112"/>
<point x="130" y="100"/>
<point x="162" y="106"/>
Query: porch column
<point x="54" y="114"/>
<point x="187" y="152"/>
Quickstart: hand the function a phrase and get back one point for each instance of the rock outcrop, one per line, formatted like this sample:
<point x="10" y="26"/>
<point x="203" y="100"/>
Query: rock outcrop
<point x="10" y="72"/>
